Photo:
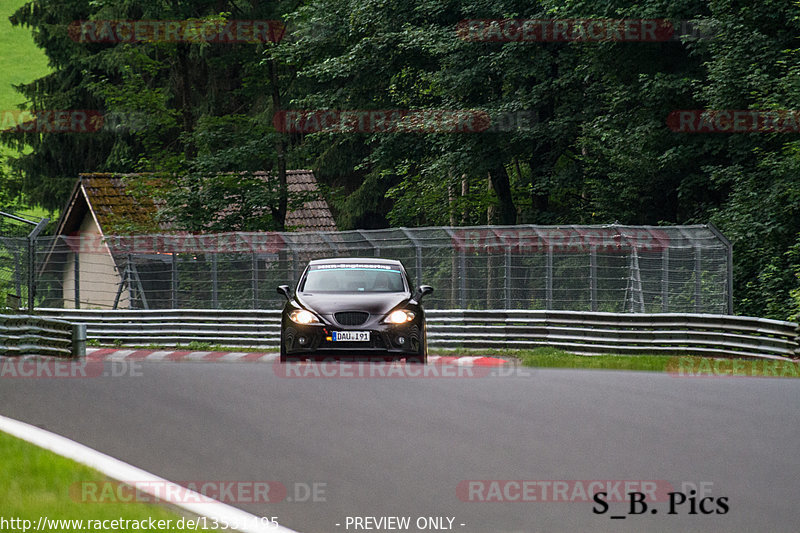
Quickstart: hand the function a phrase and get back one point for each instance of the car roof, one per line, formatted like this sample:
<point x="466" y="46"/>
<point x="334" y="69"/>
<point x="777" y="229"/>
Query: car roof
<point x="373" y="260"/>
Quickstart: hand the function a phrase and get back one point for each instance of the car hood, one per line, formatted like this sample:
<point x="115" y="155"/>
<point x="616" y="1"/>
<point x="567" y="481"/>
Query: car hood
<point x="373" y="303"/>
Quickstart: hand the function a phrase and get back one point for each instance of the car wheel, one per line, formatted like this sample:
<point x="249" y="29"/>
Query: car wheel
<point x="283" y="349"/>
<point x="422" y="352"/>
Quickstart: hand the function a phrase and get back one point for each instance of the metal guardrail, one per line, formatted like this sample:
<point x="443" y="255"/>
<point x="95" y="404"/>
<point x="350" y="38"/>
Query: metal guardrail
<point x="36" y="335"/>
<point x="247" y="328"/>
<point x="577" y="332"/>
<point x="624" y="333"/>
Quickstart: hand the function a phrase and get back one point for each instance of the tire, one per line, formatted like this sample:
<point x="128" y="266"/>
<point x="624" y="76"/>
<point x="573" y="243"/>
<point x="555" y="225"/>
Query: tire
<point x="422" y="353"/>
<point x="283" y="349"/>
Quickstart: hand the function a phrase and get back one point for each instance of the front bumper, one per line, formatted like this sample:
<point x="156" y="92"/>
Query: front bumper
<point x="390" y="339"/>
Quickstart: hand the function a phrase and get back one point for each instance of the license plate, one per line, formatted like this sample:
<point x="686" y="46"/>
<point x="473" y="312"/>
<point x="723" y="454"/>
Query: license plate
<point x="358" y="336"/>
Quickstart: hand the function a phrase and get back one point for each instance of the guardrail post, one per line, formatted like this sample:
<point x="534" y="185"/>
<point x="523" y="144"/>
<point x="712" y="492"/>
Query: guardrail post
<point x="78" y="340"/>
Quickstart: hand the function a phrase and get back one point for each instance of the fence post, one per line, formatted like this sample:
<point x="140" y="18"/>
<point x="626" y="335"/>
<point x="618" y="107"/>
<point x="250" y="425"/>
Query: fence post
<point x="76" y="271"/>
<point x="729" y="258"/>
<point x="665" y="280"/>
<point x="507" y="282"/>
<point x="698" y="280"/>
<point x="593" y="278"/>
<point x="548" y="282"/>
<point x="254" y="281"/>
<point x="295" y="269"/>
<point x="214" y="281"/>
<point x="17" y="272"/>
<point x="174" y="284"/>
<point x="32" y="236"/>
<point x="376" y="248"/>
<point x="417" y="252"/>
<point x="455" y="268"/>
<point x="462" y="284"/>
<point x="129" y="278"/>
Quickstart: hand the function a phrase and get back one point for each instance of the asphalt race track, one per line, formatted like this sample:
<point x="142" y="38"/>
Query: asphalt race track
<point x="407" y="447"/>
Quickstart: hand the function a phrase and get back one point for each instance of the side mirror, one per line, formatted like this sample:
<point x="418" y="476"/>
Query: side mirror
<point x="284" y="289"/>
<point x="421" y="291"/>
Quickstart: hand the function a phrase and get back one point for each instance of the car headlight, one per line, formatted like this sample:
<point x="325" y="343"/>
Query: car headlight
<point x="399" y="317"/>
<point x="301" y="316"/>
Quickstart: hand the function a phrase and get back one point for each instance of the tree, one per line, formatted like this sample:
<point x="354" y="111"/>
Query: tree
<point x="590" y="140"/>
<point x="184" y="96"/>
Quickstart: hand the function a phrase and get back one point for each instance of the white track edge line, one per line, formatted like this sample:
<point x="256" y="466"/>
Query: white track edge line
<point x="122" y="471"/>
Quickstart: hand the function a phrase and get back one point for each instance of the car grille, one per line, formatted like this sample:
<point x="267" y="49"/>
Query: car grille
<point x="351" y="318"/>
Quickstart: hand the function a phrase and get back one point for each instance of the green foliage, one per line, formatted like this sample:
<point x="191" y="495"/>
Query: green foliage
<point x="178" y="101"/>
<point x="596" y="149"/>
<point x="599" y="151"/>
<point x="198" y="346"/>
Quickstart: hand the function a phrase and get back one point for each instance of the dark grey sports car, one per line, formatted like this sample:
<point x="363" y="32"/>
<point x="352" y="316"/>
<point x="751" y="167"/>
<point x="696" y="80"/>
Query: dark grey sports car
<point x="354" y="308"/>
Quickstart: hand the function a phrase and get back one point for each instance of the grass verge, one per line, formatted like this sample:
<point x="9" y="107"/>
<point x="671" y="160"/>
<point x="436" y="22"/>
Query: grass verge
<point x="21" y="61"/>
<point x="681" y="365"/>
<point x="37" y="483"/>
<point x="555" y="358"/>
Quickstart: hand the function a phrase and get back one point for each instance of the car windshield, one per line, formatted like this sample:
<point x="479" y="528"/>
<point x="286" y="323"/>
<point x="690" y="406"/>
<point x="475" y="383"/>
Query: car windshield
<point x="353" y="278"/>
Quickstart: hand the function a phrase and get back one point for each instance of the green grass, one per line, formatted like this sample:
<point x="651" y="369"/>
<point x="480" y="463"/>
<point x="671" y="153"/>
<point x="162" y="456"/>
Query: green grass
<point x="554" y="358"/>
<point x="21" y="61"/>
<point x="38" y="483"/>
<point x="35" y="213"/>
<point x="680" y="365"/>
